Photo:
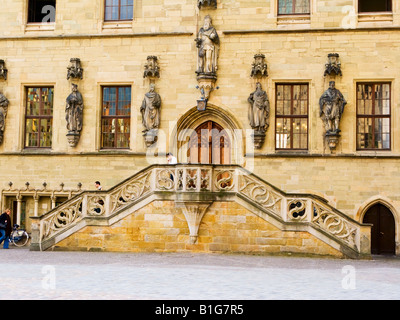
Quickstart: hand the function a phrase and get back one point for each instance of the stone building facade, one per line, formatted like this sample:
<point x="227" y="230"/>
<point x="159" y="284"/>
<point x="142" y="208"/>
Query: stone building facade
<point x="119" y="52"/>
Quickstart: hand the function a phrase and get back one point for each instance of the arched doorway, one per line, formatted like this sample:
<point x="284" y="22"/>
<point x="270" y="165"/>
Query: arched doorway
<point x="383" y="229"/>
<point x="209" y="144"/>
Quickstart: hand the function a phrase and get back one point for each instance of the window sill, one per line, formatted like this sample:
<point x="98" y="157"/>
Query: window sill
<point x="296" y="20"/>
<point x="45" y="26"/>
<point x="119" y="25"/>
<point x="375" y="18"/>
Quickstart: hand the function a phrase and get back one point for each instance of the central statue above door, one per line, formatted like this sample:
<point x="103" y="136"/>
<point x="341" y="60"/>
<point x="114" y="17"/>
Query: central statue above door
<point x="207" y="43"/>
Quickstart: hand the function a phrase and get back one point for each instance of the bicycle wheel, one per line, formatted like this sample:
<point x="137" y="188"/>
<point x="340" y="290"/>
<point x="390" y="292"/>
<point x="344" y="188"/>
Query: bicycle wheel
<point x="19" y="238"/>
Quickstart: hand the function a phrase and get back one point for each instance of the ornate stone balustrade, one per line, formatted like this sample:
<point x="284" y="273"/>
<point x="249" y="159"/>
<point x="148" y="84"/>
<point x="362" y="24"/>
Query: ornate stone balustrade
<point x="194" y="188"/>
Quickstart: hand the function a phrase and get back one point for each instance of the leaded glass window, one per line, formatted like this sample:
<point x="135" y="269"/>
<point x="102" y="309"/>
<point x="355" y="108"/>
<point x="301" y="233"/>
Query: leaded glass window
<point x="291" y="129"/>
<point x="373" y="116"/>
<point x="117" y="10"/>
<point x="293" y="6"/>
<point x="39" y="117"/>
<point x="116" y="118"/>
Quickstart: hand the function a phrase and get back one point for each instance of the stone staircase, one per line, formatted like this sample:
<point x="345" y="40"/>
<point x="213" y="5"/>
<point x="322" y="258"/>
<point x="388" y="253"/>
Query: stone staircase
<point x="193" y="188"/>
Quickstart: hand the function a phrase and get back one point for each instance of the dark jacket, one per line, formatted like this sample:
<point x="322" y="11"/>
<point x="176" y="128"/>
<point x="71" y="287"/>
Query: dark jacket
<point x="5" y="218"/>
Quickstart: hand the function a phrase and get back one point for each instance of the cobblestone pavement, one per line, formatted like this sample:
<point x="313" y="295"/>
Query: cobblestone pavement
<point x="91" y="275"/>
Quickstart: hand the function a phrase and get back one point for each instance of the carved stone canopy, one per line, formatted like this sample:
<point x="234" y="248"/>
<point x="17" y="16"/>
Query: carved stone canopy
<point x="151" y="68"/>
<point x="74" y="69"/>
<point x="3" y="70"/>
<point x="259" y="67"/>
<point x="207" y="3"/>
<point x="333" y="65"/>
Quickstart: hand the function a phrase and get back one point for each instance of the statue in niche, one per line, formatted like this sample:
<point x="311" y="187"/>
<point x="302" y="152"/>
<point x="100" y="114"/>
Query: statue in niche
<point x="150" y="110"/>
<point x="207" y="42"/>
<point x="332" y="105"/>
<point x="74" y="115"/>
<point x="259" y="110"/>
<point x="3" y="114"/>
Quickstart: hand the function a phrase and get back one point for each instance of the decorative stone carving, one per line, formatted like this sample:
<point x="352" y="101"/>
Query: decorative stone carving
<point x="297" y="209"/>
<point x="74" y="69"/>
<point x="150" y="111"/>
<point x="3" y="70"/>
<point x="259" y="115"/>
<point x="261" y="193"/>
<point x="259" y="67"/>
<point x="194" y="213"/>
<point x="130" y="191"/>
<point x="65" y="215"/>
<point x="151" y="68"/>
<point x="333" y="65"/>
<point x="74" y="115"/>
<point x="3" y="114"/>
<point x="332" y="105"/>
<point x="335" y="225"/>
<point x="207" y="3"/>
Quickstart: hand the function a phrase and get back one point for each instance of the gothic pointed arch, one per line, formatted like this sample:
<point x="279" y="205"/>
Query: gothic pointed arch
<point x="385" y="233"/>
<point x="194" y="119"/>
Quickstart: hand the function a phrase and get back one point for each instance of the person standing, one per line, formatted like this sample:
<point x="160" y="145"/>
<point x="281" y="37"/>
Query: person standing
<point x="98" y="185"/>
<point x="5" y="228"/>
<point x="171" y="159"/>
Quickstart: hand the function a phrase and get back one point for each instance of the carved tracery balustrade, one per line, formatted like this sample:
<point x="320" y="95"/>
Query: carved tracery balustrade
<point x="214" y="180"/>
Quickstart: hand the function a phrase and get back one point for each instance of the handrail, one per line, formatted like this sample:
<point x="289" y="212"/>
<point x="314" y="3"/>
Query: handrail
<point x="291" y="210"/>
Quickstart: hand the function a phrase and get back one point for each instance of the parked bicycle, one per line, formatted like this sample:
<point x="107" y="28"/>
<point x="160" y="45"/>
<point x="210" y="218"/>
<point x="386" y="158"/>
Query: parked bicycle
<point x="19" y="237"/>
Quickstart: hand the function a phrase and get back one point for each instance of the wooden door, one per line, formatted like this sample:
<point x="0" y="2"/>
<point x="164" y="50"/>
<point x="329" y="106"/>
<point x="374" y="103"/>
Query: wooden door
<point x="383" y="229"/>
<point x="209" y="144"/>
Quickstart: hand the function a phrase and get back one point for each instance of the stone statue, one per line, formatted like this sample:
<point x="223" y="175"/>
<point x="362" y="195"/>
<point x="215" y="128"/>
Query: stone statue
<point x="332" y="105"/>
<point x="3" y="70"/>
<point x="207" y="42"/>
<point x="3" y="113"/>
<point x="150" y="110"/>
<point x="259" y="110"/>
<point x="74" y="115"/>
<point x="74" y="110"/>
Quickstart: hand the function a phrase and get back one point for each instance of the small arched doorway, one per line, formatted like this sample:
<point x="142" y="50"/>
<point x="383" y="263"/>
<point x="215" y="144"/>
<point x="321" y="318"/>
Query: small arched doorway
<point x="383" y="229"/>
<point x="209" y="144"/>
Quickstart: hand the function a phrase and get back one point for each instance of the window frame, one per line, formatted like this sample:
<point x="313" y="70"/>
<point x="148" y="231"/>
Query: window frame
<point x="293" y="9"/>
<point x="385" y="11"/>
<point x="102" y="116"/>
<point x="374" y="116"/>
<point x="292" y="116"/>
<point x="119" y="11"/>
<point x="39" y="117"/>
<point x="28" y="16"/>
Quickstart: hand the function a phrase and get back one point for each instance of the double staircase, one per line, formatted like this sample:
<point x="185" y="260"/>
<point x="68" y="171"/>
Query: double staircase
<point x="194" y="188"/>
